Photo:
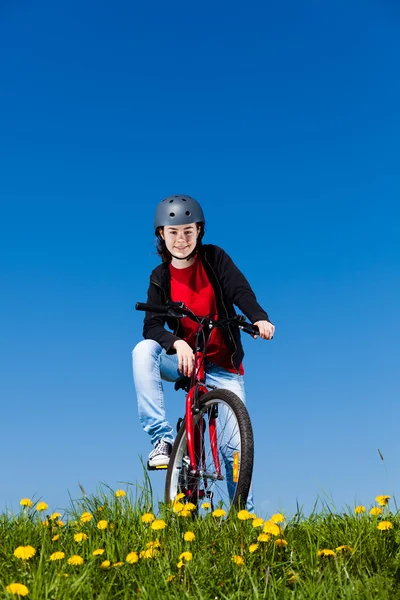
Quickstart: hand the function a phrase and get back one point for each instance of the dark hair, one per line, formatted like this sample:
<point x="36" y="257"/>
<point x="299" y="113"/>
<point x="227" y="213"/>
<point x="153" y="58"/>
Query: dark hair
<point x="162" y="249"/>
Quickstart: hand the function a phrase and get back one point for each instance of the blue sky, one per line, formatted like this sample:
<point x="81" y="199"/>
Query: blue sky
<point x="282" y="120"/>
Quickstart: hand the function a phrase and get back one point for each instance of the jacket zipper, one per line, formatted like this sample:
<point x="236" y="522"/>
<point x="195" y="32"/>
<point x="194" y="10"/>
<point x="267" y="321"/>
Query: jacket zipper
<point x="226" y="312"/>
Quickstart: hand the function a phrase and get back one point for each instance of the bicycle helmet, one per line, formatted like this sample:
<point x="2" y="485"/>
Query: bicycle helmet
<point x="178" y="210"/>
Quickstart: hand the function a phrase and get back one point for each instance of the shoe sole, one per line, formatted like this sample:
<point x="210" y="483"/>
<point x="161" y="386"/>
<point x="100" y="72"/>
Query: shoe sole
<point x="156" y="467"/>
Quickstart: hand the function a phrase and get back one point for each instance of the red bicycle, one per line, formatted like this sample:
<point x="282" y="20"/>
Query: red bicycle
<point x="213" y="453"/>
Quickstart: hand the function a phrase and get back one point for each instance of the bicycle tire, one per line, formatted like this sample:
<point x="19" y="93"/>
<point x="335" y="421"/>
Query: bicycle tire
<point x="227" y="400"/>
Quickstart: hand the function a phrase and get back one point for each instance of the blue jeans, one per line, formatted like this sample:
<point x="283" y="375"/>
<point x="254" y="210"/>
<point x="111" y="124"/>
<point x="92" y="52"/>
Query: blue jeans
<point x="151" y="365"/>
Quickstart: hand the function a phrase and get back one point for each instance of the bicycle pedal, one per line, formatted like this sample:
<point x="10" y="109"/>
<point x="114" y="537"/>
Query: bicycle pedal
<point x="157" y="467"/>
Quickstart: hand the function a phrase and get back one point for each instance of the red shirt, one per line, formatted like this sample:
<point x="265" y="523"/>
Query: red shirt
<point x="192" y="286"/>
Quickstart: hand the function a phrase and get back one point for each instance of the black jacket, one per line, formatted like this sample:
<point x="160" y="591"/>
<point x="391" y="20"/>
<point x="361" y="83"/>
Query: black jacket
<point x="230" y="287"/>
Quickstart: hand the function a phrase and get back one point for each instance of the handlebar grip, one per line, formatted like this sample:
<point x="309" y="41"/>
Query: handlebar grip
<point x="251" y="329"/>
<point x="151" y="308"/>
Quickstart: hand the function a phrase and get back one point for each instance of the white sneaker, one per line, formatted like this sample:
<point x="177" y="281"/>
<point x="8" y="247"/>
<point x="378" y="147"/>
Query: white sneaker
<point x="159" y="457"/>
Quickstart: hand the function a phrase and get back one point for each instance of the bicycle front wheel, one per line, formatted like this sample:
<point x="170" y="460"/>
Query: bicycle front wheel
<point x="224" y="454"/>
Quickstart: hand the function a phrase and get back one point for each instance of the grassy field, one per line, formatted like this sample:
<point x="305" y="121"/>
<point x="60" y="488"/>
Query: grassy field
<point x="113" y="545"/>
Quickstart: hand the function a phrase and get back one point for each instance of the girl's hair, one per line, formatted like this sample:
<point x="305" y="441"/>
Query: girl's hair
<point x="162" y="249"/>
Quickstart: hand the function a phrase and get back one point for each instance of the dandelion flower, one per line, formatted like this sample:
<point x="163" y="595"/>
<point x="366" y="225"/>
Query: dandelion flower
<point x="359" y="509"/>
<point x="219" y="512"/>
<point x="105" y="564"/>
<point x="179" y="497"/>
<point x="326" y="552"/>
<point x="45" y="523"/>
<point x="153" y="544"/>
<point x="180" y="564"/>
<point x="75" y="559"/>
<point x="41" y="506"/>
<point x="243" y="515"/>
<point x="103" y="524"/>
<point x="98" y="552"/>
<point x="258" y="523"/>
<point x="132" y="558"/>
<point x="170" y="578"/>
<point x="238" y="560"/>
<point x="280" y="543"/>
<point x="184" y="513"/>
<point x="344" y="548"/>
<point x="186" y="556"/>
<point x="17" y="589"/>
<point x="57" y="556"/>
<point x="24" y="552"/>
<point x="382" y="500"/>
<point x="147" y="518"/>
<point x="26" y="502"/>
<point x="178" y="506"/>
<point x="385" y="525"/>
<point x="60" y="523"/>
<point x="118" y="564"/>
<point x="55" y="537"/>
<point x="158" y="524"/>
<point x="120" y="494"/>
<point x="277" y="518"/>
<point x="54" y="516"/>
<point x="375" y="511"/>
<point x="264" y="537"/>
<point x="206" y="505"/>
<point x="273" y="528"/>
<point x="80" y="537"/>
<point x="190" y="506"/>
<point x="253" y="547"/>
<point x="86" y="517"/>
<point x="189" y="536"/>
<point x="149" y="553"/>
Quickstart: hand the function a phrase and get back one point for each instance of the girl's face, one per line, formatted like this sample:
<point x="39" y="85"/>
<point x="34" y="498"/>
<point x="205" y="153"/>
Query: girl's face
<point x="180" y="240"/>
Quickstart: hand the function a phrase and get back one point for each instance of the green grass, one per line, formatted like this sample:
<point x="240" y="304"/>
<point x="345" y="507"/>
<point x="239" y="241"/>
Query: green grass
<point x="368" y="569"/>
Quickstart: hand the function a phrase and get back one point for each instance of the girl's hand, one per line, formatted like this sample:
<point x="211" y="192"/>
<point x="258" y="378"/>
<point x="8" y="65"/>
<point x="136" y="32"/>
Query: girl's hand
<point x="266" y="329"/>
<point x="185" y="357"/>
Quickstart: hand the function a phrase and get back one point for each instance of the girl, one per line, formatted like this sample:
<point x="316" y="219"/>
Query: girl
<point x="205" y="278"/>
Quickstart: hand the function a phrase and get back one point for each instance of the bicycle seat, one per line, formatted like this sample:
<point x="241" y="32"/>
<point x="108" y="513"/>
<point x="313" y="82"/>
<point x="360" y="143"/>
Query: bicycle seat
<point x="183" y="383"/>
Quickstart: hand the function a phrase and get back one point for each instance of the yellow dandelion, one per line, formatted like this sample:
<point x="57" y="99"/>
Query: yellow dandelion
<point x="253" y="516"/>
<point x="132" y="558"/>
<point x="158" y="524"/>
<point x="189" y="536"/>
<point x="179" y="497"/>
<point x="86" y="517"/>
<point x="57" y="556"/>
<point x="80" y="537"/>
<point x="41" y="506"/>
<point x="180" y="564"/>
<point x="238" y="560"/>
<point x="277" y="518"/>
<point x="190" y="506"/>
<point x="186" y="556"/>
<point x="55" y="537"/>
<point x="219" y="512"/>
<point x="17" y="589"/>
<point x="149" y="553"/>
<point x="344" y="548"/>
<point x="382" y="500"/>
<point x="45" y="523"/>
<point x="258" y="523"/>
<point x="170" y="578"/>
<point x="280" y="543"/>
<point x="359" y="509"/>
<point x="75" y="559"/>
<point x="385" y="525"/>
<point x="120" y="494"/>
<point x="253" y="547"/>
<point x="118" y="564"/>
<point x="54" y="516"/>
<point x="26" y="502"/>
<point x="147" y="518"/>
<point x="153" y="544"/>
<point x="60" y="523"/>
<point x="178" y="506"/>
<point x="98" y="552"/>
<point x="184" y="513"/>
<point x="375" y="511"/>
<point x="103" y="524"/>
<point x="264" y="537"/>
<point x="24" y="552"/>
<point x="243" y="515"/>
<point x="100" y="509"/>
<point x="326" y="552"/>
<point x="273" y="528"/>
<point x="206" y="505"/>
<point x="105" y="564"/>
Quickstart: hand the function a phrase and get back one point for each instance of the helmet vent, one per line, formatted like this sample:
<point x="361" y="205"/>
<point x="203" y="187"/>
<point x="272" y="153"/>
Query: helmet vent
<point x="183" y="199"/>
<point x="171" y="214"/>
<point x="171" y="200"/>
<point x="188" y="213"/>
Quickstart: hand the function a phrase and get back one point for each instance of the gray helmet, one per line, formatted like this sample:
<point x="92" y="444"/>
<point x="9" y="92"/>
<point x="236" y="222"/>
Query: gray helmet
<point x="178" y="210"/>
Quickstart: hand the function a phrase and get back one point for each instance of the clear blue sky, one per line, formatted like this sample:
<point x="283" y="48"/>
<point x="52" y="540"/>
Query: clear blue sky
<point x="282" y="119"/>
